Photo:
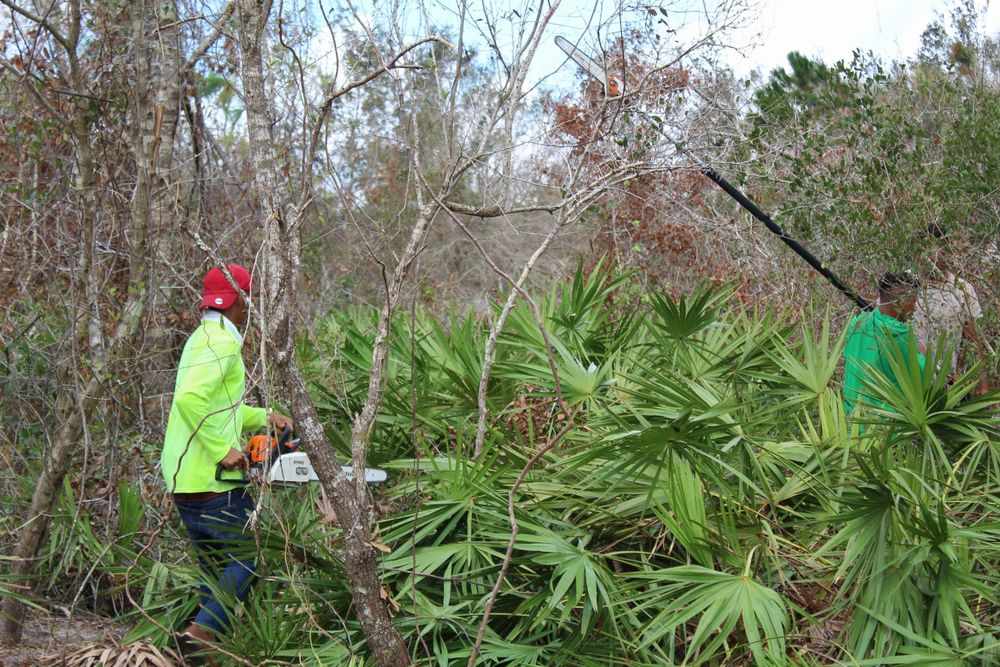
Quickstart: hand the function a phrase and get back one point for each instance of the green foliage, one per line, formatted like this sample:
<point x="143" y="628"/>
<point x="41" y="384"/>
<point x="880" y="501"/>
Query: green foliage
<point x="711" y="505"/>
<point x="130" y="512"/>
<point x="720" y="601"/>
<point x="810" y="86"/>
<point x="866" y="155"/>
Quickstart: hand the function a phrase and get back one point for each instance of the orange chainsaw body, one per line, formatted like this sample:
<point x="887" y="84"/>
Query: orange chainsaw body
<point x="261" y="448"/>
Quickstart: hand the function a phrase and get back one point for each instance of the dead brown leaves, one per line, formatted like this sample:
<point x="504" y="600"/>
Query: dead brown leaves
<point x="136" y="654"/>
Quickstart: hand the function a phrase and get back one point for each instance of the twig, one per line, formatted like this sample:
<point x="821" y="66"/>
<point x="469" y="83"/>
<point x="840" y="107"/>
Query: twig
<point x="514" y="530"/>
<point x="327" y="104"/>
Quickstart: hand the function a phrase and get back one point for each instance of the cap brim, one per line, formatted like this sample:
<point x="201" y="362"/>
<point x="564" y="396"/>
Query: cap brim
<point x="220" y="301"/>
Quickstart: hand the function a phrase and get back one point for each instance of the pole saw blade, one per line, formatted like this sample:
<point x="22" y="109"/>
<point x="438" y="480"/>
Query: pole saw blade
<point x="612" y="85"/>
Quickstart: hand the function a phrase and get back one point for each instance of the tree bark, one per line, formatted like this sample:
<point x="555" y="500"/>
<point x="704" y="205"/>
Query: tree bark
<point x="156" y="66"/>
<point x="282" y="243"/>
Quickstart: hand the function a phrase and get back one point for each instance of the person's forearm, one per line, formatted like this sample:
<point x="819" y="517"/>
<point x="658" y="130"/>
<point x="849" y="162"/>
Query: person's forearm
<point x="252" y="418"/>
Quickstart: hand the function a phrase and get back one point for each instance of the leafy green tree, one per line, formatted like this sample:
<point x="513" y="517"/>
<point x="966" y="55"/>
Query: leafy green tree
<point x="809" y="89"/>
<point x="863" y="157"/>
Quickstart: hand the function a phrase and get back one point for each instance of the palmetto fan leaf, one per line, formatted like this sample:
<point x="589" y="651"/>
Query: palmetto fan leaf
<point x="717" y="603"/>
<point x="811" y="376"/>
<point x="920" y="402"/>
<point x="579" y="314"/>
<point x="578" y="382"/>
<point x="683" y="317"/>
<point x="901" y="539"/>
<point x="582" y="584"/>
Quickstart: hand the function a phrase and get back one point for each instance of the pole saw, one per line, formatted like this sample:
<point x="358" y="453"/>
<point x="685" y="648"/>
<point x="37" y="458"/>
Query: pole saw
<point x="614" y="88"/>
<point x="280" y="461"/>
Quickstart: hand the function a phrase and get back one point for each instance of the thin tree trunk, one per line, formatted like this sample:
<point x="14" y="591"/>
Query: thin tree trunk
<point x="72" y="411"/>
<point x="24" y="557"/>
<point x="282" y="243"/>
<point x="67" y="414"/>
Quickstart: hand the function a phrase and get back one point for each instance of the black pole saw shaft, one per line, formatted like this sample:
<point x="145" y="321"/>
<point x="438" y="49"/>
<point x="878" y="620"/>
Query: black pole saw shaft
<point x="796" y="247"/>
<point x="756" y="212"/>
<point x="595" y="70"/>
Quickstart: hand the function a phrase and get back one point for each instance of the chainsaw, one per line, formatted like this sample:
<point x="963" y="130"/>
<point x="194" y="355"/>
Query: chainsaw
<point x="280" y="461"/>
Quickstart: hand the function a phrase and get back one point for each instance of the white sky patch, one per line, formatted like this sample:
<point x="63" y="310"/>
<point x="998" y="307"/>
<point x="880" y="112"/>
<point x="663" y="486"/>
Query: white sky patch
<point x="824" y="29"/>
<point x="832" y="30"/>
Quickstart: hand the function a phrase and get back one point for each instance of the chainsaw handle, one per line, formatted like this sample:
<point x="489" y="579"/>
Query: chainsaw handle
<point x="244" y="478"/>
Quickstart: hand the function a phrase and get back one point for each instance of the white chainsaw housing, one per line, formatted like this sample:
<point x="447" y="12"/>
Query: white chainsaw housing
<point x="295" y="468"/>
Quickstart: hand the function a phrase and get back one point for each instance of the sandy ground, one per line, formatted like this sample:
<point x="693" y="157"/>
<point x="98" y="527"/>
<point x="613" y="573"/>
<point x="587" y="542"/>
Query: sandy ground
<point x="48" y="634"/>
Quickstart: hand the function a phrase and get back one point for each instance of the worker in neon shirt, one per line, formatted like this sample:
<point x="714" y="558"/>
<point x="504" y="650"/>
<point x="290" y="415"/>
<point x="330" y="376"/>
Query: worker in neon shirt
<point x="204" y="431"/>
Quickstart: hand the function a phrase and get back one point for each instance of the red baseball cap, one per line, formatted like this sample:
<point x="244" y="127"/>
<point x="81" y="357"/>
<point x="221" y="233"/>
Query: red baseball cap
<point x="218" y="292"/>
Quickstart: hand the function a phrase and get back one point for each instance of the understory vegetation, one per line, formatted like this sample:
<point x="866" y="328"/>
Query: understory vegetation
<point x="606" y="397"/>
<point x="709" y="504"/>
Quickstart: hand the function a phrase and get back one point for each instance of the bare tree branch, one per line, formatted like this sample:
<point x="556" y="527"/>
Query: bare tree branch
<point x="327" y="104"/>
<point x="497" y="211"/>
<point x="205" y="44"/>
<point x="42" y="21"/>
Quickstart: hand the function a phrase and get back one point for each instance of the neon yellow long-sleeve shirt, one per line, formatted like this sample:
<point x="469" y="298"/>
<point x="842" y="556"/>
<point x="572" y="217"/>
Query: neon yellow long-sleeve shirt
<point x="207" y="416"/>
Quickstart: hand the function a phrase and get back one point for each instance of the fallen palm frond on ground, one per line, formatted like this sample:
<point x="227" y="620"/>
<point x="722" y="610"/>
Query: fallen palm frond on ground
<point x="135" y="654"/>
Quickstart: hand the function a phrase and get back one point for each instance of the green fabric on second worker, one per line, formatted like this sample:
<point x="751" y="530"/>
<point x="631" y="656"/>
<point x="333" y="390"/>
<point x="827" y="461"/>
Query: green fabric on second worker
<point x="868" y="347"/>
<point x="207" y="416"/>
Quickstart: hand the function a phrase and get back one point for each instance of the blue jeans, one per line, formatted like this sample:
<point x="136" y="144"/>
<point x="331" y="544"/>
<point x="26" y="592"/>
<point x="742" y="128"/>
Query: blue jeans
<point x="226" y="553"/>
